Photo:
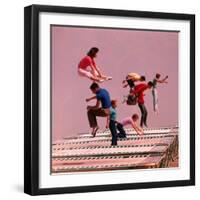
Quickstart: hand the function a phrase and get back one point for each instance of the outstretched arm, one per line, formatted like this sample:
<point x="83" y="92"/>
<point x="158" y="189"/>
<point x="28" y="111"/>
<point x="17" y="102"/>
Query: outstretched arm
<point x="163" y="80"/>
<point x="93" y="68"/>
<point x="138" y="130"/>
<point x="124" y="83"/>
<point x="98" y="71"/>
<point x="91" y="98"/>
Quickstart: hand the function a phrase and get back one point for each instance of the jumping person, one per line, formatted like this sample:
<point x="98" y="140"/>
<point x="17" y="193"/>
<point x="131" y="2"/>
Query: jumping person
<point x="102" y="96"/>
<point x="139" y="91"/>
<point x="154" y="90"/>
<point x="131" y="78"/>
<point x="111" y="122"/>
<point x="87" y="67"/>
<point x="129" y="121"/>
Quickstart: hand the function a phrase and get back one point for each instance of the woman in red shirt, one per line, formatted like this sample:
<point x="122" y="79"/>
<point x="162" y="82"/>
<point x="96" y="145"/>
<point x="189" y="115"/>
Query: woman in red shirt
<point x="88" y="68"/>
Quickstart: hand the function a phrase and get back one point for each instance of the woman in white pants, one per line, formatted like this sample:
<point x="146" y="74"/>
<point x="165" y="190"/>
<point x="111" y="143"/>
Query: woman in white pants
<point x="155" y="92"/>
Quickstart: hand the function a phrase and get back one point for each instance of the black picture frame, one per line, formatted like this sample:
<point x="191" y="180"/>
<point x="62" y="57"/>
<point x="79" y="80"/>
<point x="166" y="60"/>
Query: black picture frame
<point x="31" y="98"/>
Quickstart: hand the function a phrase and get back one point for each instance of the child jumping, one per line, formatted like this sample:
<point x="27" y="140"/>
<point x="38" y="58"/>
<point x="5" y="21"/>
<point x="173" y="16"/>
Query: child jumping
<point x="87" y="67"/>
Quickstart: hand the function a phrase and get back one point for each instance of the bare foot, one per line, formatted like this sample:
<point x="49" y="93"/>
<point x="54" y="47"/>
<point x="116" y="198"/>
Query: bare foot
<point x="101" y="81"/>
<point x="108" y="78"/>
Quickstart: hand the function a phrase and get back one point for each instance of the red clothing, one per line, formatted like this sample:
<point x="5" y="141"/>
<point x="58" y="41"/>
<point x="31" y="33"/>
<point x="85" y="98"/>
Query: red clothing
<point x="85" y="62"/>
<point x="139" y="91"/>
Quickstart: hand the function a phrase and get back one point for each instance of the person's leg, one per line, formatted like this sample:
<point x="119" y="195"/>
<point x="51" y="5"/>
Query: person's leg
<point x="93" y="121"/>
<point x="142" y="114"/>
<point x="92" y="118"/>
<point x="113" y="131"/>
<point x="120" y="128"/>
<point x="88" y="74"/>
<point x="104" y="77"/>
<point x="125" y="98"/>
<point x="92" y="114"/>
<point x="145" y="115"/>
<point x="95" y="73"/>
<point x="107" y="78"/>
<point x="100" y="112"/>
<point x="95" y="76"/>
<point x="96" y="79"/>
<point x="156" y="100"/>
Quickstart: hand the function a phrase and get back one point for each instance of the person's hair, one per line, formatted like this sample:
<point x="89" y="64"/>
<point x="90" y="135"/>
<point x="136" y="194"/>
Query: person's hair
<point x="142" y="78"/>
<point x="94" y="86"/>
<point x="135" y="116"/>
<point x="113" y="102"/>
<point x="92" y="52"/>
<point x="158" y="75"/>
<point x="150" y="83"/>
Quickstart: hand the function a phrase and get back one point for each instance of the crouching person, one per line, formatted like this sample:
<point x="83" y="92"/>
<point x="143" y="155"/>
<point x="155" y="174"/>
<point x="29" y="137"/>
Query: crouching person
<point x="102" y="98"/>
<point x="132" y="121"/>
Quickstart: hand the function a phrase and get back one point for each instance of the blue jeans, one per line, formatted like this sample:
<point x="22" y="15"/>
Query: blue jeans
<point x="113" y="130"/>
<point x="122" y="133"/>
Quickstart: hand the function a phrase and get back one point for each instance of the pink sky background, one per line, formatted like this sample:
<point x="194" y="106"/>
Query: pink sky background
<point x="121" y="52"/>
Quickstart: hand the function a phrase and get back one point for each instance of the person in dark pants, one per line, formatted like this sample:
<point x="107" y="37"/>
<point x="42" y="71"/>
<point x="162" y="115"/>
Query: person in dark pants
<point x="139" y="91"/>
<point x="131" y="78"/>
<point x="111" y="122"/>
<point x="122" y="132"/>
<point x="102" y="97"/>
<point x="144" y="114"/>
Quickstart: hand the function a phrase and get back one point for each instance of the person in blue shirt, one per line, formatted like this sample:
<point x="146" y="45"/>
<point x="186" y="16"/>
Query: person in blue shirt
<point x="102" y="97"/>
<point x="111" y="122"/>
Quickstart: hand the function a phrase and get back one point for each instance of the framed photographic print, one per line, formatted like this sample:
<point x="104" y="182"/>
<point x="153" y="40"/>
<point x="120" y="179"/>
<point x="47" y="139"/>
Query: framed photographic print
<point x="109" y="99"/>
